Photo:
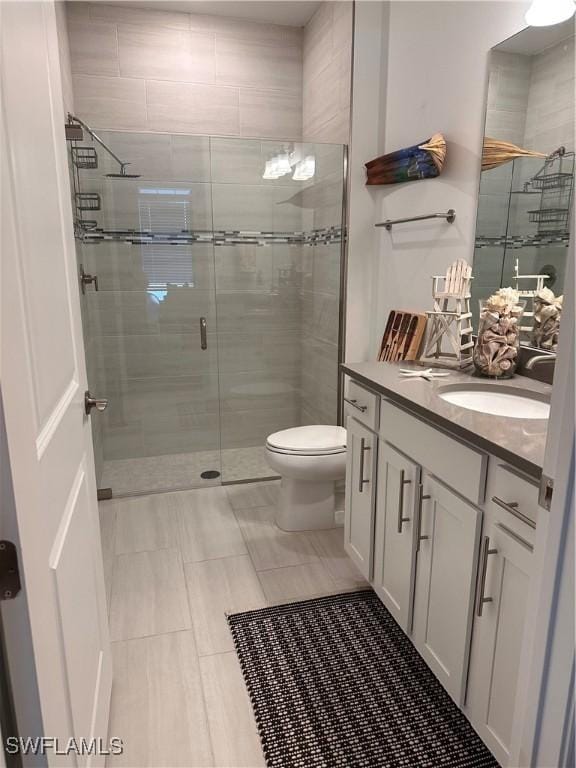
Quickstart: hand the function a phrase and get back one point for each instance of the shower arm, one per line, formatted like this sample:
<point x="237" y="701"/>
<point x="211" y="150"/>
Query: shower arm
<point x="73" y="119"/>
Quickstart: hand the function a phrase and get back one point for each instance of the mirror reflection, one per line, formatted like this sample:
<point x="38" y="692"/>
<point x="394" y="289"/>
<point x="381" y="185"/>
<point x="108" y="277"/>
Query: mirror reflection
<point x="527" y="179"/>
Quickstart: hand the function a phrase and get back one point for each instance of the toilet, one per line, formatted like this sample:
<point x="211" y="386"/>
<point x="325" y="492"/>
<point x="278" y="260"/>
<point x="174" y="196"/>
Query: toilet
<point x="309" y="460"/>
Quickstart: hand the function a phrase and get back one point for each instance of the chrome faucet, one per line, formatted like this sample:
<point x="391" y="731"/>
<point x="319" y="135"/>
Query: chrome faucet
<point x="538" y="359"/>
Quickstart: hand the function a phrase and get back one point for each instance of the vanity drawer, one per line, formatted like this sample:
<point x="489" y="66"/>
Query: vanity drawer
<point x="362" y="404"/>
<point x="456" y="464"/>
<point x="514" y="497"/>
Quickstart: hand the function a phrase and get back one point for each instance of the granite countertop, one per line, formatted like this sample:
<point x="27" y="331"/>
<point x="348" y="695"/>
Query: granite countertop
<point x="520" y="442"/>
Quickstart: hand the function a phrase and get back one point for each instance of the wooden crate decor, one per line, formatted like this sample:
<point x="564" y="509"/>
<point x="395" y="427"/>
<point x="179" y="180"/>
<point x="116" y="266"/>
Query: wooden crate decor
<point x="496" y="153"/>
<point x="402" y="336"/>
<point x="422" y="161"/>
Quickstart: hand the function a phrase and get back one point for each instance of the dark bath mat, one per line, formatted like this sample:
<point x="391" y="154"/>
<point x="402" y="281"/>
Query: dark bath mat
<point x="335" y="682"/>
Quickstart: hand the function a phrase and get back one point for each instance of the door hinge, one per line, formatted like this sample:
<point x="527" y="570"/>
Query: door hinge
<point x="545" y="492"/>
<point x="9" y="573"/>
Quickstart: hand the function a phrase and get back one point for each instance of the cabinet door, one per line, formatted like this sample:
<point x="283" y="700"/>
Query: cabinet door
<point x="394" y="547"/>
<point x="360" y="495"/>
<point x="449" y="529"/>
<point x="503" y="586"/>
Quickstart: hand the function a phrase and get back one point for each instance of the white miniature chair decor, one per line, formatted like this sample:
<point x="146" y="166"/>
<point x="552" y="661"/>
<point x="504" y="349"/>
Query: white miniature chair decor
<point x="449" y="323"/>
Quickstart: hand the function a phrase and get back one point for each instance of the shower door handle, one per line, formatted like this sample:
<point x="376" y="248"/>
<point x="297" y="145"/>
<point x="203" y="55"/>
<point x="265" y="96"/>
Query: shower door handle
<point x="86" y="279"/>
<point x="203" y="337"/>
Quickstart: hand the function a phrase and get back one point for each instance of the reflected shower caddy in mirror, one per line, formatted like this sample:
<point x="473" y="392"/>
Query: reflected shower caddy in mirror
<point x="526" y="199"/>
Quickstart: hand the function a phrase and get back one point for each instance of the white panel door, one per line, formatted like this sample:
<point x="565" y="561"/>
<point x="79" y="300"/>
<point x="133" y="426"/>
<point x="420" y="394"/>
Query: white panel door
<point x="360" y="495"/>
<point x="43" y="383"/>
<point x="499" y="632"/>
<point x="449" y="529"/>
<point x="395" y="546"/>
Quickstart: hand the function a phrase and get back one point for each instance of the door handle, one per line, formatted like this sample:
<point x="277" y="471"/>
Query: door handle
<point x="100" y="403"/>
<point x="203" y="336"/>
<point x="401" y="519"/>
<point x="86" y="279"/>
<point x="484" y="567"/>
<point x="361" y="480"/>
<point x="421" y="497"/>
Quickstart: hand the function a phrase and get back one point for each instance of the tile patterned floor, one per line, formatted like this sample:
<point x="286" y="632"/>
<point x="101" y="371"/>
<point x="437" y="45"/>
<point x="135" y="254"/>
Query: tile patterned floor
<point x="175" y="563"/>
<point x="151" y="474"/>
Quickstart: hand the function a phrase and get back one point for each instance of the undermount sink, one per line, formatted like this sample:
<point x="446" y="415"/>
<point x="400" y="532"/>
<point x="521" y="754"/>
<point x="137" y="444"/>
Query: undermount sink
<point x="503" y="401"/>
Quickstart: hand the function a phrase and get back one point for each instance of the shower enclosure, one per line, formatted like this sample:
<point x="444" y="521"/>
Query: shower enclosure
<point x="216" y="316"/>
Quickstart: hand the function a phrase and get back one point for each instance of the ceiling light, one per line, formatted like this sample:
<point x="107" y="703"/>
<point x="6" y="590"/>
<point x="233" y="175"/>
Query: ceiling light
<point x="305" y="169"/>
<point x="544" y="13"/>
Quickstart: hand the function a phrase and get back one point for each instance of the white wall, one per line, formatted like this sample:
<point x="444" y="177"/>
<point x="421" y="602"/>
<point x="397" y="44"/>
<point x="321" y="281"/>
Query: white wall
<point x="435" y="81"/>
<point x="367" y="121"/>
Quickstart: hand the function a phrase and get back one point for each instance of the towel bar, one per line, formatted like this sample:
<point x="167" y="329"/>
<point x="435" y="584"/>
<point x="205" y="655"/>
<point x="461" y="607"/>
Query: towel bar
<point x="450" y="215"/>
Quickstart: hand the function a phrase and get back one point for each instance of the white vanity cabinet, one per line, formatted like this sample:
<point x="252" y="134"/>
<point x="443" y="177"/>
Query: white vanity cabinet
<point x="444" y="533"/>
<point x="394" y="544"/>
<point x="360" y="495"/>
<point x="506" y="563"/>
<point x="447" y="538"/>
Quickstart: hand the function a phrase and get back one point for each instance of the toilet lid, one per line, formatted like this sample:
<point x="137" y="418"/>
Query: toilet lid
<point x="310" y="440"/>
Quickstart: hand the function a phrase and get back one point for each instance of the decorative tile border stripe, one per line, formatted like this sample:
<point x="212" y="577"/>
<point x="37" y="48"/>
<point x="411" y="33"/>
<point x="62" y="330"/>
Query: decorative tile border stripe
<point x="524" y="241"/>
<point x="326" y="236"/>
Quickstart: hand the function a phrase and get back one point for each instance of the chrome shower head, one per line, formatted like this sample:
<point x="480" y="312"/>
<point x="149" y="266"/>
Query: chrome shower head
<point x="123" y="174"/>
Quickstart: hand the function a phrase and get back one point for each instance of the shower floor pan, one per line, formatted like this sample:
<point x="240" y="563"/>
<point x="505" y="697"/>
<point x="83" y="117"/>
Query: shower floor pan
<point x="152" y="474"/>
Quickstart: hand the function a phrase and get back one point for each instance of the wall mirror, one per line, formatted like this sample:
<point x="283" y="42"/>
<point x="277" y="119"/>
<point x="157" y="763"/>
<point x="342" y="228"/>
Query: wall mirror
<point x="526" y="190"/>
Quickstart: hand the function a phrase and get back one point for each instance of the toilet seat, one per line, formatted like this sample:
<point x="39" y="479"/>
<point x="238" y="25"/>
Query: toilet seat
<point x="313" y="440"/>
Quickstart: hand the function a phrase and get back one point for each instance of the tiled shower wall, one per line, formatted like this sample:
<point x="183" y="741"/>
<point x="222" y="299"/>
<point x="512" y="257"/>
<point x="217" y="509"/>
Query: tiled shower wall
<point x="149" y="70"/>
<point x="327" y="62"/>
<point x="272" y="310"/>
<point x="327" y="73"/>
<point x="321" y="295"/>
<point x="278" y="306"/>
<point x="550" y="113"/>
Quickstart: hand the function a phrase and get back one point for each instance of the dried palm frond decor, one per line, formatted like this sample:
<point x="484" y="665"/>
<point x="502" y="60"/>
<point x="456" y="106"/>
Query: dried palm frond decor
<point x="422" y="161"/>
<point x="496" y="153"/>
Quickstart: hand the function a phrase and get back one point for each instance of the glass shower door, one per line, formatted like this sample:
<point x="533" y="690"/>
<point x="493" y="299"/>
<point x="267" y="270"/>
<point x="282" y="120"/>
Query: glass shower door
<point x="216" y="322"/>
<point x="278" y="210"/>
<point x="152" y="342"/>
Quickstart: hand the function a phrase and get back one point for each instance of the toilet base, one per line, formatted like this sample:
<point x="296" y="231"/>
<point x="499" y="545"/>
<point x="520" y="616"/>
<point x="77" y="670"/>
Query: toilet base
<point x="305" y="506"/>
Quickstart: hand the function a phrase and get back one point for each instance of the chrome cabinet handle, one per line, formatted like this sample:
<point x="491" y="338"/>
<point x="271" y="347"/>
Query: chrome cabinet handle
<point x="421" y="497"/>
<point x="484" y="567"/>
<point x="86" y="279"/>
<point x="203" y="336"/>
<point x="361" y="480"/>
<point x="512" y="507"/>
<point x="513" y="535"/>
<point x="401" y="519"/>
<point x="354" y="404"/>
<point x="100" y="403"/>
